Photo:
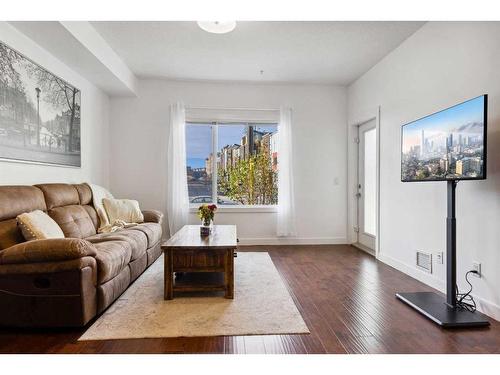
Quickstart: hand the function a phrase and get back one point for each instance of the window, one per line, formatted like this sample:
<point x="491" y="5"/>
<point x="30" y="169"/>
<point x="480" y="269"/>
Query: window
<point x="370" y="177"/>
<point x="198" y="151"/>
<point x="232" y="163"/>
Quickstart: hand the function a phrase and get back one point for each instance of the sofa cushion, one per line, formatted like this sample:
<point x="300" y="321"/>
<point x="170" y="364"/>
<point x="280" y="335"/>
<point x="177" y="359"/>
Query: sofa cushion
<point x="58" y="195"/>
<point x="84" y="193"/>
<point x="112" y="257"/>
<point x="37" y="225"/>
<point x="136" y="239"/>
<point x="154" y="253"/>
<point x="74" y="221"/>
<point x="10" y="234"/>
<point x="15" y="200"/>
<point x="151" y="230"/>
<point x="93" y="215"/>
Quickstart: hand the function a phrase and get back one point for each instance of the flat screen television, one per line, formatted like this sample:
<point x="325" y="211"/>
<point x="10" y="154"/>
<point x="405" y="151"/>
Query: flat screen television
<point x="447" y="145"/>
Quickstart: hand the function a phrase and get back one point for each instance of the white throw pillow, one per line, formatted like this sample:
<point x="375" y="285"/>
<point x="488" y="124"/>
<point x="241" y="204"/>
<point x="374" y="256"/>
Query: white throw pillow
<point x="126" y="210"/>
<point x="37" y="225"/>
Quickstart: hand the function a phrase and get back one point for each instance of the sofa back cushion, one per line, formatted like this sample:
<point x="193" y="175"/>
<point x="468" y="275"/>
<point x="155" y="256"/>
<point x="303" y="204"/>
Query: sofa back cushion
<point x="15" y="200"/>
<point x="58" y="195"/>
<point x="85" y="194"/>
<point x="69" y="206"/>
<point x="74" y="221"/>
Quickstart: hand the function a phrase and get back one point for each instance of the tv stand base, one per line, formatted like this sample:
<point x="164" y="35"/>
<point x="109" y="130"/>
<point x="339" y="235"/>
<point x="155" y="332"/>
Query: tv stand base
<point x="434" y="307"/>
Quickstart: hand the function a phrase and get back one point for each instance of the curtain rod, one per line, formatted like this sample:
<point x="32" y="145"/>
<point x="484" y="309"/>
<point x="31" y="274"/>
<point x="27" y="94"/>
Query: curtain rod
<point x="233" y="109"/>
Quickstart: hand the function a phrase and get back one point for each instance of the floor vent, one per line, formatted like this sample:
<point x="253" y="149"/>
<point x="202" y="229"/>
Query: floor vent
<point x="424" y="261"/>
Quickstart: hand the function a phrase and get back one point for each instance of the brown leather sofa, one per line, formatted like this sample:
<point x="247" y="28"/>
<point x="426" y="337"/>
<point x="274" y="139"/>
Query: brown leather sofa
<point x="67" y="282"/>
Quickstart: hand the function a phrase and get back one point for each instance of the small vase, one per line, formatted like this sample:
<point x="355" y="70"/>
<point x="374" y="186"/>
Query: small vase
<point x="205" y="228"/>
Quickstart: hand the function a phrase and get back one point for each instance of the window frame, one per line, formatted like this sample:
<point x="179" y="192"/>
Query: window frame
<point x="214" y="126"/>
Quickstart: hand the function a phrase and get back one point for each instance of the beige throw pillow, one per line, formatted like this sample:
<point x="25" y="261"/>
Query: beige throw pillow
<point x="37" y="225"/>
<point x="125" y="210"/>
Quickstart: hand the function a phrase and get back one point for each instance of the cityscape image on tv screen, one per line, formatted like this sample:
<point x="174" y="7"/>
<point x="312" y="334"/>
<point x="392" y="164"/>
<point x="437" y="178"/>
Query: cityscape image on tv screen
<point x="447" y="145"/>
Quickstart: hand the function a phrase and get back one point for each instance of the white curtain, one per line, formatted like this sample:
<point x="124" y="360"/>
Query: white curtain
<point x="286" y="199"/>
<point x="177" y="190"/>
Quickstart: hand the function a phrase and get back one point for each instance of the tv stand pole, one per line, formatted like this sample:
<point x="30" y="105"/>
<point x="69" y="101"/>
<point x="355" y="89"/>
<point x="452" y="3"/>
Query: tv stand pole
<point x="451" y="247"/>
<point x="444" y="311"/>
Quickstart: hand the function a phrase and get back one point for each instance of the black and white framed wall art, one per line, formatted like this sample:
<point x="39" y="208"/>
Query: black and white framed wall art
<point x="39" y="113"/>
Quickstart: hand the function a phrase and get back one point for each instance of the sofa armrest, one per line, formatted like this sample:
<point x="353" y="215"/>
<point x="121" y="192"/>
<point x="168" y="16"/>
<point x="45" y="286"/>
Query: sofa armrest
<point x="50" y="250"/>
<point x="152" y="216"/>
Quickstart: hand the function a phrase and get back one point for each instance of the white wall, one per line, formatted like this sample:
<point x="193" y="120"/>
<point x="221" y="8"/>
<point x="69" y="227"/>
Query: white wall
<point x="94" y="125"/>
<point x="442" y="64"/>
<point x="139" y="137"/>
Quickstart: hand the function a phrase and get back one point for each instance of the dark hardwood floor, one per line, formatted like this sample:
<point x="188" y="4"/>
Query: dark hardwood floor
<point x="345" y="296"/>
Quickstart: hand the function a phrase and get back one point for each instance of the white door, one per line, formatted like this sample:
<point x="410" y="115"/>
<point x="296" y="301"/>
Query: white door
<point x="367" y="185"/>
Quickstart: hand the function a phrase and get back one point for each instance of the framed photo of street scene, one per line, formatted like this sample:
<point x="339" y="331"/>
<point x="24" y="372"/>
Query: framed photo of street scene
<point x="39" y="113"/>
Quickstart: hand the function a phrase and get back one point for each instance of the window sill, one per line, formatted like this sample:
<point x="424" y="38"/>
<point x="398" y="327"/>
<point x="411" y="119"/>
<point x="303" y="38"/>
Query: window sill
<point x="239" y="209"/>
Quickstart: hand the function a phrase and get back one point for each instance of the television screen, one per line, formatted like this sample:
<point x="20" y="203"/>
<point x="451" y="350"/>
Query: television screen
<point x="447" y="145"/>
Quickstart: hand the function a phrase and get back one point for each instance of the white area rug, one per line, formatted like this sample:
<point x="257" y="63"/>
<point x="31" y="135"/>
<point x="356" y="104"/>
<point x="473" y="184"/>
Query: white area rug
<point x="261" y="305"/>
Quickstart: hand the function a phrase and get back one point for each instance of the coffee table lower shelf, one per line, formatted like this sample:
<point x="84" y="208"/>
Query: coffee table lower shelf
<point x="199" y="288"/>
<point x="195" y="261"/>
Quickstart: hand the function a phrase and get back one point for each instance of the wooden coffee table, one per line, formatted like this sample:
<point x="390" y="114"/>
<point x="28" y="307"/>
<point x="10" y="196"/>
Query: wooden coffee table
<point x="187" y="251"/>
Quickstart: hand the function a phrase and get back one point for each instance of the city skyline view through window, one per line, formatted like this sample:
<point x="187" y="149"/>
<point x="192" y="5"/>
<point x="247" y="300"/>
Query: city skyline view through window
<point x="243" y="170"/>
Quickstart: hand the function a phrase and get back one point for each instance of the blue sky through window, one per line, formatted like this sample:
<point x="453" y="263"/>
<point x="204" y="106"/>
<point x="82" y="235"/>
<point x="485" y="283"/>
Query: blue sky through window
<point x="198" y="144"/>
<point x="199" y="139"/>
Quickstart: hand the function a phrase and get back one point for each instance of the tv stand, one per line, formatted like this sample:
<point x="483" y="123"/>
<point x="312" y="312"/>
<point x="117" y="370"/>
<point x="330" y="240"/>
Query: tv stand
<point x="441" y="310"/>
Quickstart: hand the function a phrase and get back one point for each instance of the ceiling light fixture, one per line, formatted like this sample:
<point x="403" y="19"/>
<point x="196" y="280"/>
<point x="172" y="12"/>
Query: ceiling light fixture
<point x="217" y="27"/>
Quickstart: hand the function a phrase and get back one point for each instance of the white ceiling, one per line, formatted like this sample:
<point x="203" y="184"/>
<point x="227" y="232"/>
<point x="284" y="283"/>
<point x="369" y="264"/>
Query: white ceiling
<point x="56" y="38"/>
<point x="315" y="52"/>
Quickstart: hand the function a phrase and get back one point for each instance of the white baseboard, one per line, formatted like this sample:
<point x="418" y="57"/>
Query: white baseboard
<point x="294" y="241"/>
<point x="486" y="307"/>
<point x="425" y="277"/>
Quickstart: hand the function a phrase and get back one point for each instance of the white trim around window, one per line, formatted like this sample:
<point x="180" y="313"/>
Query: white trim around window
<point x="208" y="115"/>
